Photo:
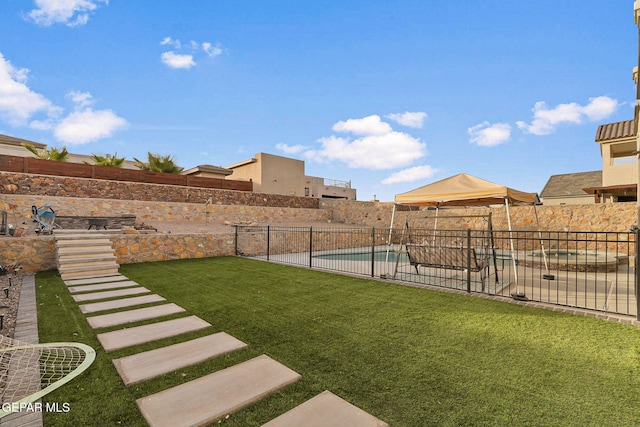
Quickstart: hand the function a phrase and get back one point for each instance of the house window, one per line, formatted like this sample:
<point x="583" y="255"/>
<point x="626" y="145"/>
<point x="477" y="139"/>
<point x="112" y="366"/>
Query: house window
<point x="306" y="191"/>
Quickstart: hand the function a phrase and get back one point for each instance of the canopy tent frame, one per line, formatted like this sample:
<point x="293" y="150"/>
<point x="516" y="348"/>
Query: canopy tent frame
<point x="464" y="190"/>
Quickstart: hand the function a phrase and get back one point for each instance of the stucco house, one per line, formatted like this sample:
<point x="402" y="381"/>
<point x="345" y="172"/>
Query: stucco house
<point x="619" y="163"/>
<point x="616" y="182"/>
<point x="12" y="146"/>
<point x="568" y="188"/>
<point x="283" y="175"/>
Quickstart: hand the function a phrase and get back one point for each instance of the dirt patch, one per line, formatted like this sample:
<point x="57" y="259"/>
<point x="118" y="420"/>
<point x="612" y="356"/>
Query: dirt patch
<point x="10" y="286"/>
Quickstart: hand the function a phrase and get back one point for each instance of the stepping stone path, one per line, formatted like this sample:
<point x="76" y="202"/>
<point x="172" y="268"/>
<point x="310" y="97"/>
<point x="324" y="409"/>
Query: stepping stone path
<point x="123" y="338"/>
<point x="119" y="303"/>
<point x="110" y="294"/>
<point x="87" y="265"/>
<point x="326" y="409"/>
<point x="123" y="317"/>
<point x="102" y="286"/>
<point x="150" y="364"/>
<point x="210" y="398"/>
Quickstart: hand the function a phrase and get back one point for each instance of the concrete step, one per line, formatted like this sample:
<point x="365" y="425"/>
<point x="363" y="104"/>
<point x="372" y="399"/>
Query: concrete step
<point x="70" y="272"/>
<point x="96" y="307"/>
<point x="149" y="364"/>
<point x="89" y="280"/>
<point x="123" y="338"/>
<point x="94" y="296"/>
<point x="72" y="252"/>
<point x="82" y="242"/>
<point x="102" y="286"/>
<point x="65" y="233"/>
<point x="94" y="258"/>
<point x="88" y="271"/>
<point x="124" y="317"/>
<point x="83" y="232"/>
<point x="326" y="409"/>
<point x="89" y="263"/>
<point x="208" y="399"/>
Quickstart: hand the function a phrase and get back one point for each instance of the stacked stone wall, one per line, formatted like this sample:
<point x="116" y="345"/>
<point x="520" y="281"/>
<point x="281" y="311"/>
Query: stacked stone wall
<point x="38" y="253"/>
<point x="605" y="217"/>
<point x="19" y="210"/>
<point x="28" y="184"/>
<point x="133" y="248"/>
<point x="32" y="253"/>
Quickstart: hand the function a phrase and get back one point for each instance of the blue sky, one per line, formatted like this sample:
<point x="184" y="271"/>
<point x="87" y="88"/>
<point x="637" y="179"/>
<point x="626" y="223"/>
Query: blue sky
<point x="390" y="95"/>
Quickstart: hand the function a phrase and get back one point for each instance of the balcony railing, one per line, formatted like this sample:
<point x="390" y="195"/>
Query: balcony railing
<point x="336" y="183"/>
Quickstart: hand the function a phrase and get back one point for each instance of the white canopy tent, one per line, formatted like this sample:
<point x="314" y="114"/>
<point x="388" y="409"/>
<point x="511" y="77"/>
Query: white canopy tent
<point x="467" y="190"/>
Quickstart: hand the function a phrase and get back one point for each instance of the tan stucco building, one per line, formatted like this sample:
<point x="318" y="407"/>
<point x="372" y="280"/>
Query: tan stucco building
<point x="615" y="183"/>
<point x="283" y="175"/>
<point x="619" y="163"/>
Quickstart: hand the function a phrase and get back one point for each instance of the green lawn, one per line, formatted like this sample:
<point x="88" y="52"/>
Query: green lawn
<point x="411" y="357"/>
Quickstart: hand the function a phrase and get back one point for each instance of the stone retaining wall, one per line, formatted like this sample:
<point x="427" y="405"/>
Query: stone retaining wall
<point x="19" y="210"/>
<point x="32" y="253"/>
<point x="133" y="248"/>
<point x="610" y="217"/>
<point x="38" y="253"/>
<point x="83" y="222"/>
<point x="28" y="184"/>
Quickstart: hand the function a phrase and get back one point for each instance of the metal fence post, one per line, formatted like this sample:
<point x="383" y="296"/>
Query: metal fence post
<point x="469" y="260"/>
<point x="310" y="247"/>
<point x="236" y="238"/>
<point x="373" y="251"/>
<point x="268" y="241"/>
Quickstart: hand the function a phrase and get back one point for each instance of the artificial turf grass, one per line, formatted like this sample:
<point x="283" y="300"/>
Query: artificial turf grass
<point x="409" y="356"/>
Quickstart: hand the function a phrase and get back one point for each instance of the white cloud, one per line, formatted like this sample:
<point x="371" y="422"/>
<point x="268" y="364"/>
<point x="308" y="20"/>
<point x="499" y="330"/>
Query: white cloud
<point x="600" y="108"/>
<point x="81" y="127"/>
<point x="211" y="50"/>
<point x="80" y="99"/>
<point x="411" y="174"/>
<point x="171" y="42"/>
<point x="69" y="12"/>
<point x="177" y="60"/>
<point x="486" y="134"/>
<point x="414" y="120"/>
<point x="18" y="103"/>
<point x="291" y="149"/>
<point x="377" y="146"/>
<point x="370" y="125"/>
<point x="546" y="120"/>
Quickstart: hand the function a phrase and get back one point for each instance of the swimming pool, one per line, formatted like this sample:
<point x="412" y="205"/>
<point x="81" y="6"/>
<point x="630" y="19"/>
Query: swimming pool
<point x="378" y="256"/>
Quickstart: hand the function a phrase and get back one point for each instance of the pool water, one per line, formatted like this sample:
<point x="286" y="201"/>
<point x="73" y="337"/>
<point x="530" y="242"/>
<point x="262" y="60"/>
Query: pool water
<point x="379" y="256"/>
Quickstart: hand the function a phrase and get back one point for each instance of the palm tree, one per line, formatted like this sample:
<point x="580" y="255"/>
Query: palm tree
<point x="107" y="160"/>
<point x="158" y="163"/>
<point x="52" y="153"/>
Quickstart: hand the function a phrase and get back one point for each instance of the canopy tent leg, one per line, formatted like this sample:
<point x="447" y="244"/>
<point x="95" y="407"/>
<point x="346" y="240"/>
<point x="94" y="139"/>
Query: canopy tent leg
<point x="393" y="214"/>
<point x="517" y="295"/>
<point x="547" y="276"/>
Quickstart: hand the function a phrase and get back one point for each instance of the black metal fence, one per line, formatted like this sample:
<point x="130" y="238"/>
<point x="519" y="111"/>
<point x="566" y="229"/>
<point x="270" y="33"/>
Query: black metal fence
<point x="590" y="270"/>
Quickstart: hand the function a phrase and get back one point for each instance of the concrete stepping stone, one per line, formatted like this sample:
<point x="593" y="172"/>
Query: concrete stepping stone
<point x="142" y="334"/>
<point x="119" y="303"/>
<point x="102" y="286"/>
<point x="124" y="317"/>
<point x="149" y="364"/>
<point x="210" y="398"/>
<point x="98" y="279"/>
<point x="326" y="409"/>
<point x="110" y="294"/>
